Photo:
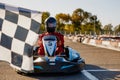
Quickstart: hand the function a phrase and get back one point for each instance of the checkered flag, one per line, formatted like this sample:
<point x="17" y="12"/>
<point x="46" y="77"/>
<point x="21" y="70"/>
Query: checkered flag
<point x="19" y="29"/>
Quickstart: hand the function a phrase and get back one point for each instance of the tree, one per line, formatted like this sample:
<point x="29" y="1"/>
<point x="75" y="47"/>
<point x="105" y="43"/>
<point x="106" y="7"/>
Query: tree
<point x="108" y="29"/>
<point x="117" y="29"/>
<point x="80" y="18"/>
<point x="80" y="21"/>
<point x="45" y="15"/>
<point x="69" y="28"/>
<point x="62" y="20"/>
<point x="87" y="16"/>
<point x="77" y="18"/>
<point x="96" y="25"/>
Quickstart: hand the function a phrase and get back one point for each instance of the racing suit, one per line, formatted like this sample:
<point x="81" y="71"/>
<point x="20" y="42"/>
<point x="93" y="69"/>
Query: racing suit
<point x="60" y="43"/>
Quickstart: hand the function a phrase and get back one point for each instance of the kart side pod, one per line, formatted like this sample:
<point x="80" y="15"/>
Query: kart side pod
<point x="72" y="54"/>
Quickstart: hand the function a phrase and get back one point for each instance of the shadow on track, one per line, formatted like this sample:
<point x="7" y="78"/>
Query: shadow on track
<point x="104" y="74"/>
<point x="61" y="76"/>
<point x="58" y="76"/>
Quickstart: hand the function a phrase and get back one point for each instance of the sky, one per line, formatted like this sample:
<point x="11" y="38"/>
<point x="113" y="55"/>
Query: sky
<point x="107" y="11"/>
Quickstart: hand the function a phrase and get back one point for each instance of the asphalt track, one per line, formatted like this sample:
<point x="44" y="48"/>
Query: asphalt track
<point x="101" y="64"/>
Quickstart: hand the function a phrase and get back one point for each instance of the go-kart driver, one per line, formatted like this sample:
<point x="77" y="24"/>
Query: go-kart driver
<point x="50" y="25"/>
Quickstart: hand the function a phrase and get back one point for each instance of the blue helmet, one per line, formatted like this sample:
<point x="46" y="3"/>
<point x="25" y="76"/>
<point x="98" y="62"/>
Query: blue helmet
<point x="50" y="24"/>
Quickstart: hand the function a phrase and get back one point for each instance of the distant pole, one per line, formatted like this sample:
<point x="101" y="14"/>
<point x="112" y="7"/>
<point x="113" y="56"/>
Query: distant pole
<point x="94" y="26"/>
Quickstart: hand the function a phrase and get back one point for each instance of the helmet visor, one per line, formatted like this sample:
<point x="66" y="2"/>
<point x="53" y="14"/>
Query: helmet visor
<point x="51" y="25"/>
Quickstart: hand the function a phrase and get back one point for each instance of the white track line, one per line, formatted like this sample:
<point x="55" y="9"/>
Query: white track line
<point x="92" y="77"/>
<point x="89" y="75"/>
<point x="104" y="70"/>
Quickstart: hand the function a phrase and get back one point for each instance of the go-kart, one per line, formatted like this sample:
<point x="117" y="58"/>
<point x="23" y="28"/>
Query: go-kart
<point x="68" y="61"/>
